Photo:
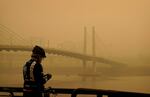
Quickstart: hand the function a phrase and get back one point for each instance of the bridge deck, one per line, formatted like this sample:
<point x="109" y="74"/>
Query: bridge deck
<point x="63" y="53"/>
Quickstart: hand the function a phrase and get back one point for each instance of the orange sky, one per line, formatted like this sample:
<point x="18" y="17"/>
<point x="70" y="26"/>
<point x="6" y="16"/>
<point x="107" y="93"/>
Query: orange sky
<point x="122" y="26"/>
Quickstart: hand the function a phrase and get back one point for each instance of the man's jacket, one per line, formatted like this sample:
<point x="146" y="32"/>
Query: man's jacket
<point x="33" y="76"/>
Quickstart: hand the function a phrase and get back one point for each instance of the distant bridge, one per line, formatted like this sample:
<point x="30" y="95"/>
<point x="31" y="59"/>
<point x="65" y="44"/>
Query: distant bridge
<point x="18" y="38"/>
<point x="62" y="53"/>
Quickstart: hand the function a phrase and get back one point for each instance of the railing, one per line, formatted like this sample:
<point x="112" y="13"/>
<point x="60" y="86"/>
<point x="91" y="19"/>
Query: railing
<point x="74" y="92"/>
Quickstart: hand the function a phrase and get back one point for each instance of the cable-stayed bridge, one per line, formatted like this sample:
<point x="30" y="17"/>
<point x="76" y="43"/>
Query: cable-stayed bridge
<point x="14" y="45"/>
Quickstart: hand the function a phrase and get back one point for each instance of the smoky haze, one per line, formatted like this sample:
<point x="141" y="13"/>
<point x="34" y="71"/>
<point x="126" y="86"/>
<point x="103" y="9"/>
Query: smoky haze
<point x="121" y="27"/>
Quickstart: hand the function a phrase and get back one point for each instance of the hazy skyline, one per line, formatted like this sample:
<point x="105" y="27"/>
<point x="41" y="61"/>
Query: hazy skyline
<point x="122" y="26"/>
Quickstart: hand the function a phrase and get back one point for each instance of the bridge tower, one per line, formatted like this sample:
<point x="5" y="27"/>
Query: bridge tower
<point x="93" y="48"/>
<point x="85" y="46"/>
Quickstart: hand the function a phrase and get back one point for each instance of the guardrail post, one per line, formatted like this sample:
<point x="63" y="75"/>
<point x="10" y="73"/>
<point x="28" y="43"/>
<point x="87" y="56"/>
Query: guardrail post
<point x="99" y="95"/>
<point x="74" y="94"/>
<point x="46" y="94"/>
<point x="11" y="94"/>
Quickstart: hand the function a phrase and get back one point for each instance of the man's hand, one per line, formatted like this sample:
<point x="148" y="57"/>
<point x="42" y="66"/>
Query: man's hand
<point x="47" y="76"/>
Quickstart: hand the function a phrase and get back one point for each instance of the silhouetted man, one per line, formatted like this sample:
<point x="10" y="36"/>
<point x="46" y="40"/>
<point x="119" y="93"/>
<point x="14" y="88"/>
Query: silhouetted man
<point x="34" y="79"/>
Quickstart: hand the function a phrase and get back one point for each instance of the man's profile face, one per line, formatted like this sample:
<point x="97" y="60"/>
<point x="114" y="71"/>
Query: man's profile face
<point x="40" y="59"/>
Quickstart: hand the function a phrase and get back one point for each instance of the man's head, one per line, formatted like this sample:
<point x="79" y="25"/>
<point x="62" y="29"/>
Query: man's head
<point x="38" y="53"/>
